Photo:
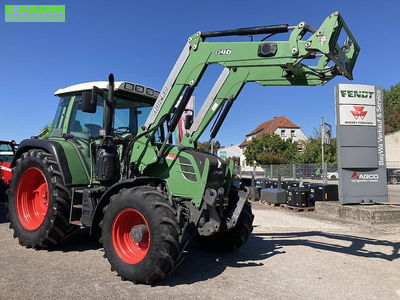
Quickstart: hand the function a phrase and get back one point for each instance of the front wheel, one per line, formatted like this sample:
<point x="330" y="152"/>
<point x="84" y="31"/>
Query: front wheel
<point x="393" y="180"/>
<point x="140" y="235"/>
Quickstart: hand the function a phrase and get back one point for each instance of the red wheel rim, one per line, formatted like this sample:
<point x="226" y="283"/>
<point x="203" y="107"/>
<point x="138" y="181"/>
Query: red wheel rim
<point x="32" y="198"/>
<point x="128" y="250"/>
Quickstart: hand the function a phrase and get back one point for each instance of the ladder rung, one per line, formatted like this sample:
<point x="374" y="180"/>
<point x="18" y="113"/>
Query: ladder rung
<point x="79" y="223"/>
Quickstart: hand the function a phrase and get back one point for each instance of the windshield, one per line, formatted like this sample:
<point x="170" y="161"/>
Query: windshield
<point x="6" y="153"/>
<point x="58" y="121"/>
<point x="129" y="116"/>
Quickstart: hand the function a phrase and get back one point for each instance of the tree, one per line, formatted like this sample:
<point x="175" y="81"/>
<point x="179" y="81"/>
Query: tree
<point x="312" y="152"/>
<point x="204" y="146"/>
<point x="217" y="145"/>
<point x="271" y="149"/>
<point x="391" y="106"/>
<point x="236" y="159"/>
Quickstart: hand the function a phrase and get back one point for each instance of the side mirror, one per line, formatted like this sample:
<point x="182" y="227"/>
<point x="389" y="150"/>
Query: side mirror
<point x="89" y="103"/>
<point x="188" y="121"/>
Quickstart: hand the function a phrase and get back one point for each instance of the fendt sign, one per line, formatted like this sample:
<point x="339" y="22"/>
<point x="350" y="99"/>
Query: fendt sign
<point x="360" y="144"/>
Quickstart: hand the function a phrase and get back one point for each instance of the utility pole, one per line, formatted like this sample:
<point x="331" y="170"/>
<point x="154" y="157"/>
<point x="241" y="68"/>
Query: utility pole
<point x="326" y="133"/>
<point x="322" y="148"/>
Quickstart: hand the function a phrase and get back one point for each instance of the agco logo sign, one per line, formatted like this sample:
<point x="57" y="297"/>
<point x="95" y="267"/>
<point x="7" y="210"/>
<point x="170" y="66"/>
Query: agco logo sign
<point x="359" y="112"/>
<point x="371" y="177"/>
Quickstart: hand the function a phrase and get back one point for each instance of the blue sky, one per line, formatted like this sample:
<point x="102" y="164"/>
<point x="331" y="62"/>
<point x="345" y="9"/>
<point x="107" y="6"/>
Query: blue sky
<point x="140" y="41"/>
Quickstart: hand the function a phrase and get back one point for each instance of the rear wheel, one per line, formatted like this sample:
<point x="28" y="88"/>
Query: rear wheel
<point x="393" y="180"/>
<point x="140" y="235"/>
<point x="38" y="203"/>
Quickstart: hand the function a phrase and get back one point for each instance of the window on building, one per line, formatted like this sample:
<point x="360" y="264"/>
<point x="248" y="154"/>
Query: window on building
<point x="292" y="133"/>
<point x="283" y="132"/>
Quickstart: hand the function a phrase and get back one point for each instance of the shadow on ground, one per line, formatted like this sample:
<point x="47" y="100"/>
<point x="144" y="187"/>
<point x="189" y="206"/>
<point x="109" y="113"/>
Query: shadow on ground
<point x="78" y="242"/>
<point x="201" y="265"/>
<point x="357" y="244"/>
<point x="3" y="213"/>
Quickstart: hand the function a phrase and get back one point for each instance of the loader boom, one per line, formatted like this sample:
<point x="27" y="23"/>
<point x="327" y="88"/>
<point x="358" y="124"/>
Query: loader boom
<point x="279" y="63"/>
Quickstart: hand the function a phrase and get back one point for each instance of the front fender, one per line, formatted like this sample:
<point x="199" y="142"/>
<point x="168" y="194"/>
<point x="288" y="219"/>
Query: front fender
<point x="114" y="189"/>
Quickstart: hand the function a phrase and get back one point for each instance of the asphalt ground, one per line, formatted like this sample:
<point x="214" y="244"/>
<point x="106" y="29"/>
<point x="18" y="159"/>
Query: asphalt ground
<point x="394" y="193"/>
<point x="289" y="256"/>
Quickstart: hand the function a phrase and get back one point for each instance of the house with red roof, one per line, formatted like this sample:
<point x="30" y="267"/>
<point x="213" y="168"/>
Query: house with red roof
<point x="281" y="126"/>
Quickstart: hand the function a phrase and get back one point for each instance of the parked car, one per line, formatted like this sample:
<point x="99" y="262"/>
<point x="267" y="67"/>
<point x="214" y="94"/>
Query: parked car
<point x="332" y="175"/>
<point x="393" y="176"/>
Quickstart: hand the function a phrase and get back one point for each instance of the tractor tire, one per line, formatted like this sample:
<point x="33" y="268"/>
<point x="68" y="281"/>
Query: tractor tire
<point x="141" y="235"/>
<point x="232" y="239"/>
<point x="38" y="202"/>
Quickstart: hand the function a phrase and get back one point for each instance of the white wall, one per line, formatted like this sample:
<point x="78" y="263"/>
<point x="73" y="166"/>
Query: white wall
<point x="229" y="151"/>
<point x="298" y="134"/>
<point x="242" y="157"/>
<point x="392" y="144"/>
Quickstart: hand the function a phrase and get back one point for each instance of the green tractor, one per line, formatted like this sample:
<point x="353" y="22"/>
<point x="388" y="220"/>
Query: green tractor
<point x="107" y="161"/>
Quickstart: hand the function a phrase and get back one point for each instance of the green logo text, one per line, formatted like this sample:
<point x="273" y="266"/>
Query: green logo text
<point x="35" y="13"/>
<point x="356" y="94"/>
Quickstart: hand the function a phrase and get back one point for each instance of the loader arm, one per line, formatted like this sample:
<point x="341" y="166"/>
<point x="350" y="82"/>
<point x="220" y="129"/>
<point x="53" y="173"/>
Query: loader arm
<point x="279" y="63"/>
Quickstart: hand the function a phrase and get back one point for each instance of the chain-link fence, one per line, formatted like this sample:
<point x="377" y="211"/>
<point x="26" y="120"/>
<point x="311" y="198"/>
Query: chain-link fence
<point x="292" y="171"/>
<point x="313" y="172"/>
<point x="307" y="171"/>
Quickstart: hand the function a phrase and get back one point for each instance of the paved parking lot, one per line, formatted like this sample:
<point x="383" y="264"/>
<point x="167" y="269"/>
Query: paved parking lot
<point x="290" y="255"/>
<point x="394" y="193"/>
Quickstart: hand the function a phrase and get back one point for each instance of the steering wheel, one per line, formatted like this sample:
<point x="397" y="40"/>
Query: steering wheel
<point x="119" y="130"/>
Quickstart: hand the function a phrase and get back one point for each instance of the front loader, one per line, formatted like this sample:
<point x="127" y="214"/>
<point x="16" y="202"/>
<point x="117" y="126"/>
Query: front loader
<point x="107" y="161"/>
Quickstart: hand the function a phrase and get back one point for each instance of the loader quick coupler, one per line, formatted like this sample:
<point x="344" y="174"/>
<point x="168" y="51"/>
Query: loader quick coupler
<point x="243" y="196"/>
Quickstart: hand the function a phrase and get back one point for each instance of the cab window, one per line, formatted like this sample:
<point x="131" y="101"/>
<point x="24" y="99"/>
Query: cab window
<point x="85" y="125"/>
<point x="6" y="153"/>
<point x="58" y="121"/>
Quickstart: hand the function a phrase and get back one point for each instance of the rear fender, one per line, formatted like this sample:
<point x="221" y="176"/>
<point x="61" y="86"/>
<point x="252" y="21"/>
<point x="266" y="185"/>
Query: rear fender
<point x="52" y="147"/>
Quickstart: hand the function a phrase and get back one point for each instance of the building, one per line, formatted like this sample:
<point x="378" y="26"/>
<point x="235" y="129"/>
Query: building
<point x="392" y="144"/>
<point x="281" y="126"/>
<point x="229" y="151"/>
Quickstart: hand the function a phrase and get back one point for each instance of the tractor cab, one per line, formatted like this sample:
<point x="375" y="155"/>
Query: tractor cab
<point x="73" y="125"/>
<point x="7" y="151"/>
<point x="133" y="104"/>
